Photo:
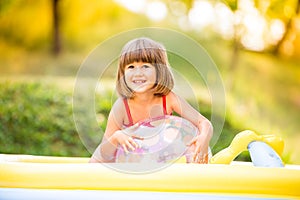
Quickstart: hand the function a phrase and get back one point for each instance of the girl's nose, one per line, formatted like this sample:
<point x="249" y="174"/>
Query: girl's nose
<point x="138" y="71"/>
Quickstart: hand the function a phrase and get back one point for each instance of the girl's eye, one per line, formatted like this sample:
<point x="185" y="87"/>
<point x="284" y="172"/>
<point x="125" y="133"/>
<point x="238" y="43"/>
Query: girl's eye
<point x="130" y="67"/>
<point x="145" y="66"/>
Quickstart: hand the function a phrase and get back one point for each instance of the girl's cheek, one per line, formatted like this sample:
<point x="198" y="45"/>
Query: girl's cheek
<point x="127" y="74"/>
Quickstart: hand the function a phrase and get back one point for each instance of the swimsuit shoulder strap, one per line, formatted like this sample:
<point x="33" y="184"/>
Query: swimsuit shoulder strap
<point x="128" y="112"/>
<point x="125" y="101"/>
<point x="164" y="99"/>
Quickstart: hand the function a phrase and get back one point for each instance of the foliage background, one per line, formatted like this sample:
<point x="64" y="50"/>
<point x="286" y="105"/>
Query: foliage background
<point x="37" y="77"/>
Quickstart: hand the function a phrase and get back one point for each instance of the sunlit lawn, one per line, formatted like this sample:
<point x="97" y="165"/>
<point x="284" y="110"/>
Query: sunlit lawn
<point x="265" y="97"/>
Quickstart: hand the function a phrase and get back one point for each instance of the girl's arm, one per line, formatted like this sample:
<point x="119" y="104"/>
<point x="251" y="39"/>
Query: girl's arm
<point x="113" y="136"/>
<point x="106" y="149"/>
<point x="201" y="142"/>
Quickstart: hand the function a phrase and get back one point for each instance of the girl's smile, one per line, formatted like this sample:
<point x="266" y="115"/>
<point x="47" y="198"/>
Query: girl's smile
<point x="140" y="76"/>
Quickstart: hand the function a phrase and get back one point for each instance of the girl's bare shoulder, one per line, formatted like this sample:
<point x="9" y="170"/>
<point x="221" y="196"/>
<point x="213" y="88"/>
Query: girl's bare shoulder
<point x="118" y="111"/>
<point x="172" y="99"/>
<point x="172" y="96"/>
<point x="118" y="105"/>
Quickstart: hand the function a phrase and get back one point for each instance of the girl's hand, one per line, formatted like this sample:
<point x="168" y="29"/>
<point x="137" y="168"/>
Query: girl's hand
<point x="199" y="146"/>
<point x="125" y="138"/>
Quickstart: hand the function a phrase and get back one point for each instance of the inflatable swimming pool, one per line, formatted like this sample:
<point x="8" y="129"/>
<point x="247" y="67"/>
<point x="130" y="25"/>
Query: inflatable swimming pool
<point x="29" y="175"/>
<point x="48" y="177"/>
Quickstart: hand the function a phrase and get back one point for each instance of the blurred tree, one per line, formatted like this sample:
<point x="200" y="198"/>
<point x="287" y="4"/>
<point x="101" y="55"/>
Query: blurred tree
<point x="63" y="24"/>
<point x="188" y="3"/>
<point x="56" y="30"/>
<point x="232" y="4"/>
<point x="289" y="28"/>
<point x="236" y="45"/>
<point x="286" y="13"/>
<point x="25" y="24"/>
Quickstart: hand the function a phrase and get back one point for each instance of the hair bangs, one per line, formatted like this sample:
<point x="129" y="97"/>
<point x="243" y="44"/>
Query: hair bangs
<point x="146" y="55"/>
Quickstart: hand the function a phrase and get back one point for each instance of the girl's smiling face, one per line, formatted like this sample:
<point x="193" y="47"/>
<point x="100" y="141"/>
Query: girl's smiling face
<point x="140" y="76"/>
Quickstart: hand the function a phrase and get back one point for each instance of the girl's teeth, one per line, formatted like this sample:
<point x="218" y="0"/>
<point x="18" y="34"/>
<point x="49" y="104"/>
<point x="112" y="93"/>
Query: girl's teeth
<point x="138" y="81"/>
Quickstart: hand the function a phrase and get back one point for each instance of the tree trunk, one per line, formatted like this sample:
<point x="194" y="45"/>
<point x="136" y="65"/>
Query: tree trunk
<point x="234" y="60"/>
<point x="56" y="34"/>
<point x="288" y="27"/>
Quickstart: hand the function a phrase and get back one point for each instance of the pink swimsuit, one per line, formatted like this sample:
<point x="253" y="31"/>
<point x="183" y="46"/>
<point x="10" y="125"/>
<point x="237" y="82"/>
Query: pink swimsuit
<point x="129" y="114"/>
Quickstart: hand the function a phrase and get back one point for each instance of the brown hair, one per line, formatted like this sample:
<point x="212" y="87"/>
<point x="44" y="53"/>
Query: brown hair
<point x="148" y="51"/>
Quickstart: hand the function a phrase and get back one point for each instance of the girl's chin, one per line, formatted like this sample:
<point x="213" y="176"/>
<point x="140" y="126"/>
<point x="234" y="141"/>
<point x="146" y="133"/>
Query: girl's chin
<point x="142" y="89"/>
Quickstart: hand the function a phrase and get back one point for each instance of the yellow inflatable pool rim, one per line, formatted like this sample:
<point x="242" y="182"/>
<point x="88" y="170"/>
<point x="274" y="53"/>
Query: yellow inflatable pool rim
<point x="70" y="173"/>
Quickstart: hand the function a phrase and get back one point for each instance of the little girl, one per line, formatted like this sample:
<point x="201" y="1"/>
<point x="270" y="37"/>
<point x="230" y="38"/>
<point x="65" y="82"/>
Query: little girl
<point x="144" y="84"/>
